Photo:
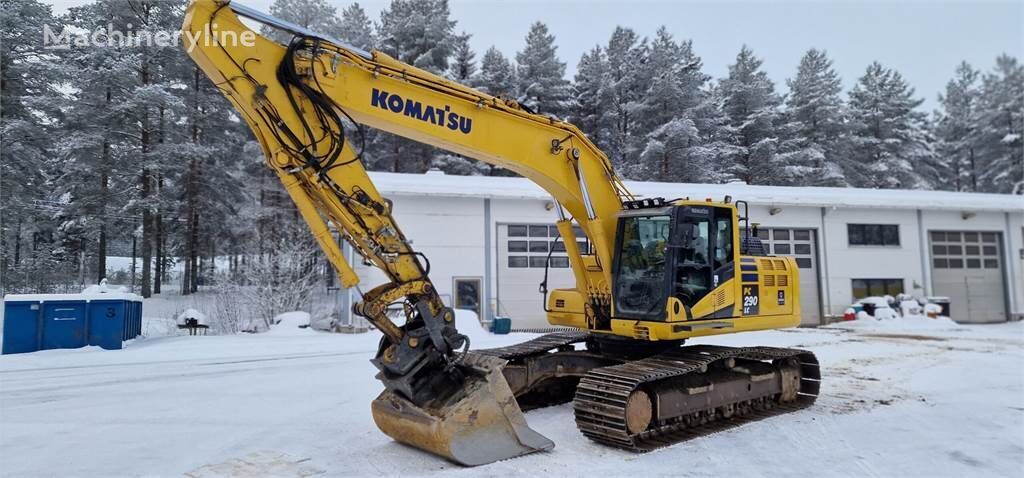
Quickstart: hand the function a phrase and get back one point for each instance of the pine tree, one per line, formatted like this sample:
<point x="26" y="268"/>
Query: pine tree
<point x="462" y="70"/>
<point x="316" y="15"/>
<point x="541" y="75"/>
<point x="674" y="150"/>
<point x="889" y="140"/>
<point x="463" y="67"/>
<point x="356" y="28"/>
<point x="29" y="95"/>
<point x="1000" y="128"/>
<point x="497" y="75"/>
<point x="418" y="32"/>
<point x="628" y="80"/>
<point x="956" y="143"/>
<point x="814" y="123"/>
<point x="751" y="105"/>
<point x="592" y="97"/>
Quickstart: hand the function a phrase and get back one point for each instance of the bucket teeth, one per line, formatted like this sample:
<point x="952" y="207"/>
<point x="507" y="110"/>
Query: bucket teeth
<point x="480" y="424"/>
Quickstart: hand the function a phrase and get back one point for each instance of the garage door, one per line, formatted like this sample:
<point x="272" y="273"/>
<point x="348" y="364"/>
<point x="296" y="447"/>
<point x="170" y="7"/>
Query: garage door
<point x="967" y="268"/>
<point x="801" y="244"/>
<point x="522" y="252"/>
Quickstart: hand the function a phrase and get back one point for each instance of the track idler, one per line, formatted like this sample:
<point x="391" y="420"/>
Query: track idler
<point x="478" y="424"/>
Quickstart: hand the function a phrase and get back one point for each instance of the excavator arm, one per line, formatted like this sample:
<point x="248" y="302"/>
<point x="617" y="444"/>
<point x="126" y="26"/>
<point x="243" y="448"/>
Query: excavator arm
<point x="307" y="104"/>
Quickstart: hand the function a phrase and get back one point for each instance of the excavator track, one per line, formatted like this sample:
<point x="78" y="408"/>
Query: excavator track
<point x="538" y="345"/>
<point x="606" y="409"/>
<point x="684" y="378"/>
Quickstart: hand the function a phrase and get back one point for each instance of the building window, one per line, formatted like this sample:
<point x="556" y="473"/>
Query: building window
<point x="517" y="246"/>
<point x="873" y="234"/>
<point x="876" y="287"/>
<point x="517" y="261"/>
<point x="560" y="262"/>
<point x="538" y="261"/>
<point x="538" y="231"/>
<point x="966" y="249"/>
<point x="538" y="246"/>
<point x="517" y="231"/>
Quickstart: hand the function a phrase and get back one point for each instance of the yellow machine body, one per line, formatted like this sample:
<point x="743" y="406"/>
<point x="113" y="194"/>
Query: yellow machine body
<point x="306" y="103"/>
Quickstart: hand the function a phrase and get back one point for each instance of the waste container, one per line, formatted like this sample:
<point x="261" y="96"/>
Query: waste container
<point x="62" y="321"/>
<point x="501" y="325"/>
<point x="943" y="302"/>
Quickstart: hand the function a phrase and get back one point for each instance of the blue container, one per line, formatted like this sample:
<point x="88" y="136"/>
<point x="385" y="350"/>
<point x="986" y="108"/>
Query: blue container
<point x="501" y="325"/>
<point x="108" y="321"/>
<point x="65" y="324"/>
<point x="21" y="326"/>
<point x="62" y="321"/>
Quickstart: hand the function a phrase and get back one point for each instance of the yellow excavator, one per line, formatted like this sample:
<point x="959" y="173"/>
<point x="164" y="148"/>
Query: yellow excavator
<point x="658" y="271"/>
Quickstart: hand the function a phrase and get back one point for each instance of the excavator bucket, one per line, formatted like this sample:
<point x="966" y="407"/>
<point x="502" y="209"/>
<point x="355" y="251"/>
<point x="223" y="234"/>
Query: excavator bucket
<point x="479" y="425"/>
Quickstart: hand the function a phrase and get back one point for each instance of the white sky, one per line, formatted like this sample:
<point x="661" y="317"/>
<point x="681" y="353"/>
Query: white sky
<point x="924" y="40"/>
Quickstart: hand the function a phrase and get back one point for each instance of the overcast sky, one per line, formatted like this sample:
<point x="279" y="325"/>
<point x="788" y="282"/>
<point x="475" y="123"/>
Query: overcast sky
<point x="924" y="40"/>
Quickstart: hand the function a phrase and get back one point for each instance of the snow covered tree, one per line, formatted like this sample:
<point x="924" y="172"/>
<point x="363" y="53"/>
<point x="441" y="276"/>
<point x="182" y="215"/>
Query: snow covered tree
<point x="889" y="141"/>
<point x="628" y="80"/>
<point x="357" y="28"/>
<point x="541" y="75"/>
<point x="751" y="105"/>
<point x="677" y="116"/>
<point x="1000" y="128"/>
<point x="463" y="67"/>
<point x="954" y="126"/>
<point x="592" y="97"/>
<point x="316" y="15"/>
<point x="814" y="123"/>
<point x="497" y="75"/>
<point x="29" y="115"/>
<point x="418" y="32"/>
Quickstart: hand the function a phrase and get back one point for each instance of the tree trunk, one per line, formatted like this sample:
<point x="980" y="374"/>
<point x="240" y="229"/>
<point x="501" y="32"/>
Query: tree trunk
<point x="146" y="182"/>
<point x="101" y="244"/>
<point x="132" y="290"/>
<point x="17" y="244"/>
<point x="158" y="219"/>
<point x="195" y="252"/>
<point x="974" y="172"/>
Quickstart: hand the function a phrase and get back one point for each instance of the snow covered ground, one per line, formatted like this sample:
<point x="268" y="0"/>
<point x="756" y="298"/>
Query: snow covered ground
<point x="922" y="402"/>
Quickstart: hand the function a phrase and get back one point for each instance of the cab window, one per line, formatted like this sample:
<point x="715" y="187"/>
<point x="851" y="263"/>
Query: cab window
<point x="693" y="265"/>
<point x="722" y="252"/>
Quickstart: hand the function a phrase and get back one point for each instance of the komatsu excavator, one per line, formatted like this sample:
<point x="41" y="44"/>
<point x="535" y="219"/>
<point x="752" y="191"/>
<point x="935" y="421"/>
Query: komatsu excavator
<point x="658" y="271"/>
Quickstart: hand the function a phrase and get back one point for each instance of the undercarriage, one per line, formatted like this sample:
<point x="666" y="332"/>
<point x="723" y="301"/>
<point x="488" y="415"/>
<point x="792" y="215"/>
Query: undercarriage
<point x="641" y="395"/>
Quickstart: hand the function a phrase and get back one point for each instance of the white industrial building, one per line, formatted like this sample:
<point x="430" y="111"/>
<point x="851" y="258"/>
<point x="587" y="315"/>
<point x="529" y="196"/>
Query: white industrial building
<point x="487" y="239"/>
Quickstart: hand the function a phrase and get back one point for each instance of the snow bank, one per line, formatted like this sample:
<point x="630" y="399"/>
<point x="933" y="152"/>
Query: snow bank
<point x="291" y="323"/>
<point x="865" y="322"/>
<point x="469" y="325"/>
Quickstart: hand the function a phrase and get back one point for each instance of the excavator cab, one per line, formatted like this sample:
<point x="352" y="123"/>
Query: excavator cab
<point x="682" y="251"/>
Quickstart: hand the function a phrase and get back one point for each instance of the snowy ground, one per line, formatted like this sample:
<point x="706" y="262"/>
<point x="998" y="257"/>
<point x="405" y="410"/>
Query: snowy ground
<point x="296" y="403"/>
